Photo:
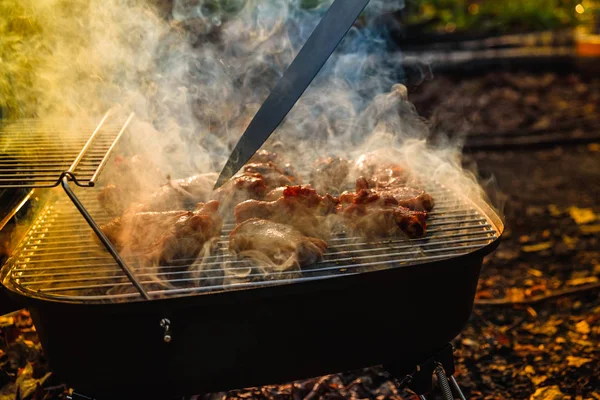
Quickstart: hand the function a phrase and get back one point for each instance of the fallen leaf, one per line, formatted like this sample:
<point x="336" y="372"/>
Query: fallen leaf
<point x="546" y="234"/>
<point x="536" y="247"/>
<point x="535" y="272"/>
<point x="582" y="327"/>
<point x="529" y="370"/>
<point x="548" y="393"/>
<point x="577" y="361"/>
<point x="596" y="395"/>
<point x="532" y="312"/>
<point x="569" y="241"/>
<point x="589" y="229"/>
<point x="537" y="380"/>
<point x="554" y="210"/>
<point x="524" y="238"/>
<point x="594" y="147"/>
<point x="582" y="215"/>
<point x="582" y="281"/>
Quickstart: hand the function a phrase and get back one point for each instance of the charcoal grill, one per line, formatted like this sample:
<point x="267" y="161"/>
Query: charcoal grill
<point x="112" y="331"/>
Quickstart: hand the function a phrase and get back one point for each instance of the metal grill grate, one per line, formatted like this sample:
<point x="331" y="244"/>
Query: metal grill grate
<point x="59" y="258"/>
<point x="37" y="153"/>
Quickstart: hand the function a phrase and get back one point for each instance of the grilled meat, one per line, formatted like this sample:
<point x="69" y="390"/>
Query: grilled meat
<point x="411" y="198"/>
<point x="276" y="246"/>
<point x="254" y="181"/>
<point x="264" y="156"/>
<point x="273" y="175"/>
<point x="370" y="214"/>
<point x="329" y="175"/>
<point x="380" y="173"/>
<point x="299" y="206"/>
<point x="240" y="188"/>
<point x="178" y="194"/>
<point x="163" y="237"/>
<point x="175" y="195"/>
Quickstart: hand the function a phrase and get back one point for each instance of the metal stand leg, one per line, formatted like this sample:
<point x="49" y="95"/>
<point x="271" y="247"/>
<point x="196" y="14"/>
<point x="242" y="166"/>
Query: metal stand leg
<point x="77" y="396"/>
<point x="442" y="365"/>
<point x="443" y="383"/>
<point x="456" y="388"/>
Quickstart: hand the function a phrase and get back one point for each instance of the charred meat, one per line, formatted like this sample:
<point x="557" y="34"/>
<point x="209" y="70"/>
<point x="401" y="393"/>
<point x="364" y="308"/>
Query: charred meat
<point x="240" y="188"/>
<point x="164" y="237"/>
<point x="329" y="175"/>
<point x="405" y="196"/>
<point x="273" y="175"/>
<point x="276" y="247"/>
<point x="299" y="206"/>
<point x="175" y="195"/>
<point x="370" y="214"/>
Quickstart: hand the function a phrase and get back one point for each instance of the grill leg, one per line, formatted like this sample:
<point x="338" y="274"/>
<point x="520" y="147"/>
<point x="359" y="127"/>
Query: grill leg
<point x="456" y="388"/>
<point x="78" y="396"/>
<point x="443" y="383"/>
<point x="420" y="380"/>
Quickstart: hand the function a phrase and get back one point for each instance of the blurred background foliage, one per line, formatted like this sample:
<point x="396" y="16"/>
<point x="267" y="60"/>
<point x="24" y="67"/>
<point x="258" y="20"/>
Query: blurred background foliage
<point x="491" y="16"/>
<point x="22" y="39"/>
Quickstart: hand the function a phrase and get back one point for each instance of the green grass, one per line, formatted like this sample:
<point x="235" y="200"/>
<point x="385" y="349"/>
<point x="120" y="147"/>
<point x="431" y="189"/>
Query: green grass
<point x="495" y="15"/>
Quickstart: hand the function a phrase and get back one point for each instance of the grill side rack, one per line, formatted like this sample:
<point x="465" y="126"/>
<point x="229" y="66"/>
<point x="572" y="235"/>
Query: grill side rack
<point x="39" y="154"/>
<point x="44" y="154"/>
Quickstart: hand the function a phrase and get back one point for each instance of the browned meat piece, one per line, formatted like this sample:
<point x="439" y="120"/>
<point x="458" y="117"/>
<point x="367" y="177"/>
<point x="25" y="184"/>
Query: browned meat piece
<point x="299" y="206"/>
<point x="273" y="175"/>
<point x="178" y="194"/>
<point x="276" y="247"/>
<point x="380" y="172"/>
<point x="175" y="195"/>
<point x="330" y="174"/>
<point x="240" y="188"/>
<point x="275" y="194"/>
<point x="371" y="214"/>
<point x="114" y="200"/>
<point x="164" y="237"/>
<point x="411" y="198"/>
<point x="129" y="180"/>
<point x="264" y="156"/>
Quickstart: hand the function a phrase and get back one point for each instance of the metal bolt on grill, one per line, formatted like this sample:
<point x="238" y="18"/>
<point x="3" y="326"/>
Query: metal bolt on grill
<point x="59" y="258"/>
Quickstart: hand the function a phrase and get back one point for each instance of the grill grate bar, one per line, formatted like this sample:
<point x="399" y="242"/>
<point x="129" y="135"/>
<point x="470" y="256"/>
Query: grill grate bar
<point x="37" y="153"/>
<point x="329" y="255"/>
<point x="60" y="259"/>
<point x="30" y="265"/>
<point x="122" y="280"/>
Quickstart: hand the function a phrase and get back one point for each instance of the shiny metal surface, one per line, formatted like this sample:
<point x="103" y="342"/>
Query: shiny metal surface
<point x="38" y="153"/>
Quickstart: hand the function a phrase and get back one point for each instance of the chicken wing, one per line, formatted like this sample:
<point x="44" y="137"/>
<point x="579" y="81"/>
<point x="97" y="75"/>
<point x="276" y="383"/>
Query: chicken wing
<point x="299" y="206"/>
<point x="164" y="237"/>
<point x="370" y="214"/>
<point x="409" y="197"/>
<point x="277" y="247"/>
